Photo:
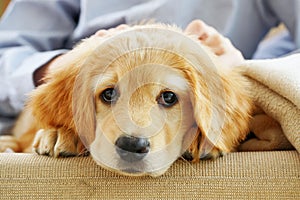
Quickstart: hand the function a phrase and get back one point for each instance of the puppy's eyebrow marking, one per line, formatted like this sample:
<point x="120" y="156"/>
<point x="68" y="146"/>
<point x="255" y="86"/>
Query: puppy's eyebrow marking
<point x="176" y="81"/>
<point x="104" y="79"/>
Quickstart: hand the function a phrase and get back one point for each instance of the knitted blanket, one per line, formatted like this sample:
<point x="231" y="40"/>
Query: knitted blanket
<point x="276" y="90"/>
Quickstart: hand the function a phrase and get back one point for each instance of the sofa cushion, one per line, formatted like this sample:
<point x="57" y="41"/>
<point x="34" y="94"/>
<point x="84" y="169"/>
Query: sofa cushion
<point x="255" y="175"/>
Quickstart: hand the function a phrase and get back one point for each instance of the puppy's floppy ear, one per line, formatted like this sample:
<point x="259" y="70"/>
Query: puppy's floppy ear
<point x="84" y="113"/>
<point x="58" y="103"/>
<point x="222" y="108"/>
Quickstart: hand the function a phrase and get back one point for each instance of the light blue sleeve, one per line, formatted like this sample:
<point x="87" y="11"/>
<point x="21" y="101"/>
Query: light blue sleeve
<point x="251" y="21"/>
<point x="31" y="34"/>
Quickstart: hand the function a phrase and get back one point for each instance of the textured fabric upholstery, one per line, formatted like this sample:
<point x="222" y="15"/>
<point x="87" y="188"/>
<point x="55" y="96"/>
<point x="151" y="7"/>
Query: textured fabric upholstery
<point x="247" y="175"/>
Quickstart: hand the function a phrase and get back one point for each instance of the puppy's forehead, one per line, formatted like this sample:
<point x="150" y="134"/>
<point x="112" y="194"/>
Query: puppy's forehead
<point x="127" y="78"/>
<point x="163" y="76"/>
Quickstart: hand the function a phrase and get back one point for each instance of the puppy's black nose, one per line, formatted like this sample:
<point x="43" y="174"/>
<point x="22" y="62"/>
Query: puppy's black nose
<point x="132" y="149"/>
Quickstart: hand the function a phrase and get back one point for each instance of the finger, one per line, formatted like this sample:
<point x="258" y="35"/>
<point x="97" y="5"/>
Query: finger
<point x="111" y="30"/>
<point x="195" y="27"/>
<point x="198" y="28"/>
<point x="216" y="42"/>
<point x="122" y="27"/>
<point x="101" y="33"/>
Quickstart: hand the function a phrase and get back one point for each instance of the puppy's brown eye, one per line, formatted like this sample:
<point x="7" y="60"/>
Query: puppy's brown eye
<point x="109" y="95"/>
<point x="167" y="99"/>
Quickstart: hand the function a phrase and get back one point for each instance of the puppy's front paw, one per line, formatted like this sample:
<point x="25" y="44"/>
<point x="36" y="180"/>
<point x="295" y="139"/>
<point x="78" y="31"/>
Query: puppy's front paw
<point x="202" y="149"/>
<point x="212" y="155"/>
<point x="57" y="143"/>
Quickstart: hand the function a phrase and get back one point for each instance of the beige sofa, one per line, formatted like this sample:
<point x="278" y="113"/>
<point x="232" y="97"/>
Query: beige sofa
<point x="247" y="175"/>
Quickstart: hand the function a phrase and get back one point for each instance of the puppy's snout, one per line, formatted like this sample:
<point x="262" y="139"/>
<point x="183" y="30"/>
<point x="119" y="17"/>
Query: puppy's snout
<point x="132" y="149"/>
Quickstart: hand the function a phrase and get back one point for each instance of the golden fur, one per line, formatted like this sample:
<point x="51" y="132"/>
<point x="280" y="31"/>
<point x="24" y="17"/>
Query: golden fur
<point x="210" y="119"/>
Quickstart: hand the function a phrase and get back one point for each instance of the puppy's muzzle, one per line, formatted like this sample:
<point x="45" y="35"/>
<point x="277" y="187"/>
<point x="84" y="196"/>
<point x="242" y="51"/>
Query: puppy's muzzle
<point x="132" y="149"/>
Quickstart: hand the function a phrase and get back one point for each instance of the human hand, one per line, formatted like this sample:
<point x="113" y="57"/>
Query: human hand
<point x="221" y="46"/>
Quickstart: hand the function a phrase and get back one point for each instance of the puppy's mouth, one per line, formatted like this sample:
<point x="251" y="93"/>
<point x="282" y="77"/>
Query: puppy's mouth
<point x="140" y="168"/>
<point x="134" y="172"/>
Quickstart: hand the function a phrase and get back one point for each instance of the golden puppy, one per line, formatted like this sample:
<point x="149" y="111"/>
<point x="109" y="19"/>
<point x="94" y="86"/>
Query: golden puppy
<point x="137" y="100"/>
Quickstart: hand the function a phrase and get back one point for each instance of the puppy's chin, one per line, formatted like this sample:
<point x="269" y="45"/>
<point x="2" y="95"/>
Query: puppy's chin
<point x="153" y="164"/>
<point x="134" y="172"/>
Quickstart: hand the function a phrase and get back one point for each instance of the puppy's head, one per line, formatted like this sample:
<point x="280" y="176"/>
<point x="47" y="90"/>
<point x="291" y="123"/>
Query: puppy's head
<point x="144" y="114"/>
<point x="140" y="98"/>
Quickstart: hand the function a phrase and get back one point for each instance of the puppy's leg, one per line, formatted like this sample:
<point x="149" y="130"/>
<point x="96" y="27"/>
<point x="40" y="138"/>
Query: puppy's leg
<point x="269" y="135"/>
<point x="18" y="142"/>
<point x="57" y="143"/>
<point x="8" y="142"/>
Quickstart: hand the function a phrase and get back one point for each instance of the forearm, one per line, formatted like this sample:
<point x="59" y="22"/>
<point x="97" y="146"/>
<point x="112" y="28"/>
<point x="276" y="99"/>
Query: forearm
<point x="27" y="45"/>
<point x="18" y="76"/>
